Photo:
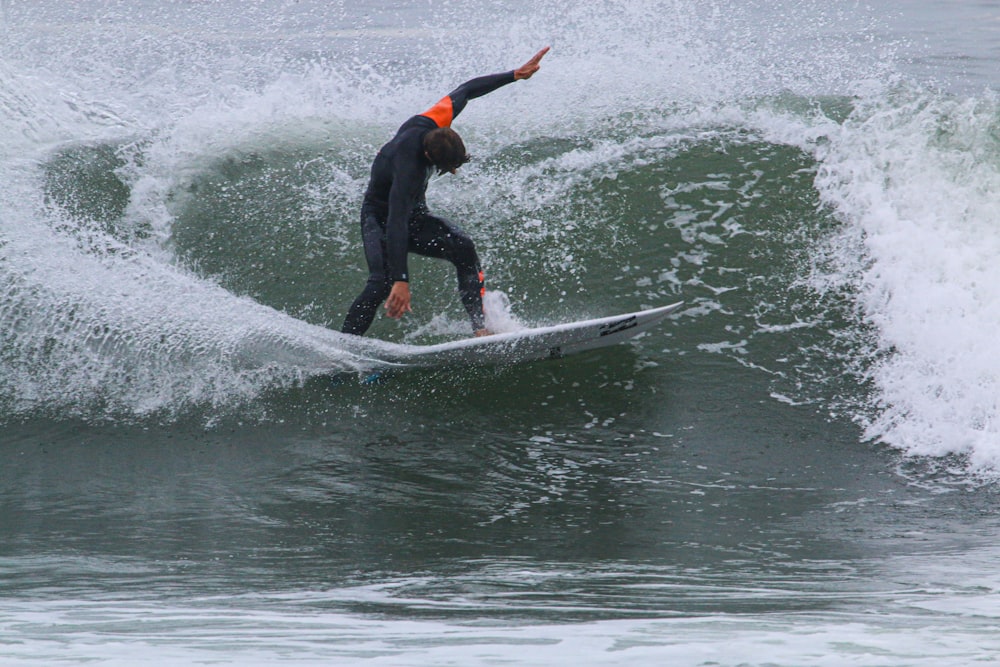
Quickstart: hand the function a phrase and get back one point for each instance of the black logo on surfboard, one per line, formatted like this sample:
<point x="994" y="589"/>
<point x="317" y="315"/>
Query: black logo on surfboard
<point x="619" y="326"/>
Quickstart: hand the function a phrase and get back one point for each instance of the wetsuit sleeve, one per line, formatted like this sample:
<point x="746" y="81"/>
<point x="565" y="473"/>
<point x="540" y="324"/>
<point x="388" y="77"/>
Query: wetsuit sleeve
<point x="444" y="112"/>
<point x="403" y="196"/>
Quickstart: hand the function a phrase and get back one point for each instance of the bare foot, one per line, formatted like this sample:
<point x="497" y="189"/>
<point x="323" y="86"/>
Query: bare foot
<point x="483" y="332"/>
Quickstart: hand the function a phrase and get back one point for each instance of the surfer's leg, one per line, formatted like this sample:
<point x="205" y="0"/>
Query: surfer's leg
<point x="435" y="237"/>
<point x="362" y="312"/>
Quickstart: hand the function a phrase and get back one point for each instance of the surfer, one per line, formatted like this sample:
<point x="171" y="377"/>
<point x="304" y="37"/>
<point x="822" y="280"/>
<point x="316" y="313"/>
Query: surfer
<point x="394" y="215"/>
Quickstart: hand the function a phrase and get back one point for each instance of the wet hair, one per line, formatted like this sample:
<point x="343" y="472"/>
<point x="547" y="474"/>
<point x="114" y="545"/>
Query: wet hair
<point x="445" y="149"/>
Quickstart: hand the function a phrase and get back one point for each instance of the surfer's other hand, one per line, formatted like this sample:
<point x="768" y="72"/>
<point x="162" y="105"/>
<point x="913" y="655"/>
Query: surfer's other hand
<point x="399" y="300"/>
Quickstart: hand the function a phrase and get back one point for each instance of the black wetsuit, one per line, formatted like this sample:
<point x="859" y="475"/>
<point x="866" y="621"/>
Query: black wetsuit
<point x="395" y="220"/>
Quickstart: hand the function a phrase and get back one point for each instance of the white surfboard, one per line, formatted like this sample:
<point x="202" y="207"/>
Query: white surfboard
<point x="550" y="342"/>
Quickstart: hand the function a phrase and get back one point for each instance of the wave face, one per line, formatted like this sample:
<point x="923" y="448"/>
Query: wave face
<point x="181" y="185"/>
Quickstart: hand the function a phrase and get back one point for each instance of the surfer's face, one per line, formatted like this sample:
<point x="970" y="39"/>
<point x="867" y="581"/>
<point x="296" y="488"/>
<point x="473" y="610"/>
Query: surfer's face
<point x="441" y="170"/>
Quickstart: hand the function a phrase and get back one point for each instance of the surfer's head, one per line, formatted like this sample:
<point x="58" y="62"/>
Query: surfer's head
<point x="445" y="149"/>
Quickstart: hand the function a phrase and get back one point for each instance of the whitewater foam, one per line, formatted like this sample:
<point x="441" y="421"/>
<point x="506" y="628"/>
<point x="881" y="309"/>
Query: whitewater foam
<point x="914" y="171"/>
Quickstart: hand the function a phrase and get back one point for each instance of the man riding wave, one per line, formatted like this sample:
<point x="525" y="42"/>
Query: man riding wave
<point x="395" y="219"/>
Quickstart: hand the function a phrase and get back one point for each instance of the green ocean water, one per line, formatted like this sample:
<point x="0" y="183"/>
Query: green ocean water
<point x="795" y="469"/>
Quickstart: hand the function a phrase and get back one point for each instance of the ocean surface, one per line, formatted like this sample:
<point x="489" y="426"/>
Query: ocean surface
<point x="801" y="467"/>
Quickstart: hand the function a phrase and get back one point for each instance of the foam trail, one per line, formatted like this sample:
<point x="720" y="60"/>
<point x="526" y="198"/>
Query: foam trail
<point x="111" y="331"/>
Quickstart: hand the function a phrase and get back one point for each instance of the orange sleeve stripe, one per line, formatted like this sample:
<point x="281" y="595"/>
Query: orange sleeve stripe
<point x="441" y="113"/>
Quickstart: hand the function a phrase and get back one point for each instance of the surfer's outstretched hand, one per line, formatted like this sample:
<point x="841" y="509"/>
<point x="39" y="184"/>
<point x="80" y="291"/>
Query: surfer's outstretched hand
<point x="527" y="69"/>
<point x="399" y="300"/>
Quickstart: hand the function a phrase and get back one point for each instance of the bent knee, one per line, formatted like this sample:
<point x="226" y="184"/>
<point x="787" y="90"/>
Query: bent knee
<point x="463" y="251"/>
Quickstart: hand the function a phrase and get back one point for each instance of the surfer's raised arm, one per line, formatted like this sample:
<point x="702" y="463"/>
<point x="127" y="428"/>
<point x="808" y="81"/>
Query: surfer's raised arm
<point x="449" y="106"/>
